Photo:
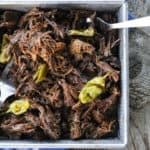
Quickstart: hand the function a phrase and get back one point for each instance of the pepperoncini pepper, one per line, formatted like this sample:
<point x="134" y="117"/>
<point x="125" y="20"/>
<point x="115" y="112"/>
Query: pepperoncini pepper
<point x="19" y="107"/>
<point x="92" y="89"/>
<point x="87" y="32"/>
<point x="40" y="74"/>
<point x="4" y="57"/>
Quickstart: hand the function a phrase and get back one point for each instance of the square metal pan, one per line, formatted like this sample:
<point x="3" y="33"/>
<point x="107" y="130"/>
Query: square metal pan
<point x="110" y="5"/>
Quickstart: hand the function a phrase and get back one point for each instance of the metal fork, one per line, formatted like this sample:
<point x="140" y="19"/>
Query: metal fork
<point x="7" y="88"/>
<point x="136" y="23"/>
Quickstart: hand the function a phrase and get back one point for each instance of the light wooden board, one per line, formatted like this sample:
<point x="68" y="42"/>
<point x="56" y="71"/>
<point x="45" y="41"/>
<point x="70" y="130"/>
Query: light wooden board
<point x="139" y="129"/>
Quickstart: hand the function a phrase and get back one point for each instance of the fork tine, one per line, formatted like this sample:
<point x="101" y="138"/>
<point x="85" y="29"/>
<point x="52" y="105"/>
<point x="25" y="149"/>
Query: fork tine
<point x="103" y="26"/>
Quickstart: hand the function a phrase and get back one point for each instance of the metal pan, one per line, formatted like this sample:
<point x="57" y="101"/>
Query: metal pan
<point x="108" y="5"/>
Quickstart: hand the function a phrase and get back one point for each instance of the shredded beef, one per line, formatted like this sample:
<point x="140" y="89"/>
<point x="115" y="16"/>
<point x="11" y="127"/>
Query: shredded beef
<point x="40" y="36"/>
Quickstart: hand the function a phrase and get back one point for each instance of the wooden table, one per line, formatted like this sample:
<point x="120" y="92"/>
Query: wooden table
<point x="139" y="47"/>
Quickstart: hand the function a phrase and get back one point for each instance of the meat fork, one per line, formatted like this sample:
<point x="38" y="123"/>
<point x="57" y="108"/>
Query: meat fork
<point x="135" y="23"/>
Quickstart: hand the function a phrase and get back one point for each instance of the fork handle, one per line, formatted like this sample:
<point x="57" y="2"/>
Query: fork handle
<point x="141" y="22"/>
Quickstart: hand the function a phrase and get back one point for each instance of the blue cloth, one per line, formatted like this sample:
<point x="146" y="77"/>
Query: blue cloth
<point x="130" y="16"/>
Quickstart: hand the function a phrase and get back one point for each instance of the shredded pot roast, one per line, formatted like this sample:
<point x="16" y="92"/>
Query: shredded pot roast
<point x="67" y="69"/>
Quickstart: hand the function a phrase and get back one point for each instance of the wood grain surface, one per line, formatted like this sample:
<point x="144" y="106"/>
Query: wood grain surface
<point x="139" y="47"/>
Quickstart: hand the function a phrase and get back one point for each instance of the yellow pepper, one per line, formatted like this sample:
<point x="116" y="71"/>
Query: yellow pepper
<point x="92" y="89"/>
<point x="40" y="74"/>
<point x="4" y="58"/>
<point x="87" y="32"/>
<point x="19" y="107"/>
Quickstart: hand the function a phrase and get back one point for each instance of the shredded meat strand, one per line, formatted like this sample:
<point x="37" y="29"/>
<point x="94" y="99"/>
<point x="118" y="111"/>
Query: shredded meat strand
<point x="40" y="37"/>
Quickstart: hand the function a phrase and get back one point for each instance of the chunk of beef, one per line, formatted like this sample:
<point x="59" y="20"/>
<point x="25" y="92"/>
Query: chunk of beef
<point x="78" y="48"/>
